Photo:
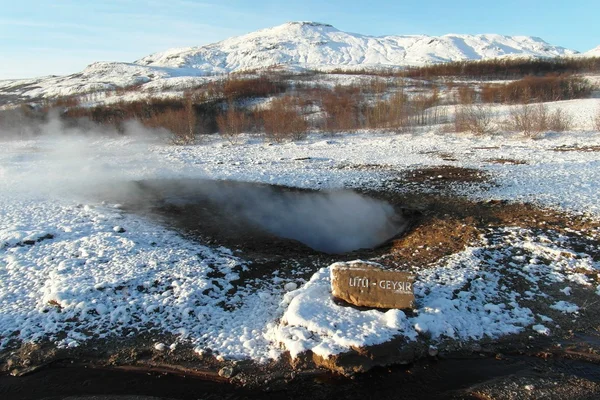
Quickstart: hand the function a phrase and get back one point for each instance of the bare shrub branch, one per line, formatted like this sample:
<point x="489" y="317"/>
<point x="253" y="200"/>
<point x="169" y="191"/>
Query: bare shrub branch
<point x="284" y="119"/>
<point x="532" y="120"/>
<point x="232" y="122"/>
<point x="474" y="118"/>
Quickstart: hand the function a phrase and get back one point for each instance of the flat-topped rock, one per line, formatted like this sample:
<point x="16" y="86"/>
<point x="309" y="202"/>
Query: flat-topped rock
<point x="367" y="284"/>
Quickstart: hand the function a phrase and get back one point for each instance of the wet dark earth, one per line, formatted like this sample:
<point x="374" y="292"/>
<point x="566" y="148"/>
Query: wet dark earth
<point x="500" y="377"/>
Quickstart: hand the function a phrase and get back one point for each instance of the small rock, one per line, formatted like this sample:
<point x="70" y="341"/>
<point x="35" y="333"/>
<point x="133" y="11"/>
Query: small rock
<point x="200" y="352"/>
<point x="119" y="229"/>
<point x="433" y="351"/>
<point x="226" y="372"/>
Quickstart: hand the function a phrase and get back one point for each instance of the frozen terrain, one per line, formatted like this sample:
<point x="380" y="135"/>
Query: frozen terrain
<point x="73" y="267"/>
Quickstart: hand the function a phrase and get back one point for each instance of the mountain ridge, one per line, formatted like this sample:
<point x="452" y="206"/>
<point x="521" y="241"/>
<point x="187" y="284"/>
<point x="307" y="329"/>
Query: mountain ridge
<point x="293" y="45"/>
<point x="312" y="44"/>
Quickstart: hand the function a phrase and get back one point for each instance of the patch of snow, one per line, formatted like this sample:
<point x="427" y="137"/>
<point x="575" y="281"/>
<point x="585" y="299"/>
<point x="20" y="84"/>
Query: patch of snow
<point x="541" y="329"/>
<point x="565" y="307"/>
<point x="566" y="291"/>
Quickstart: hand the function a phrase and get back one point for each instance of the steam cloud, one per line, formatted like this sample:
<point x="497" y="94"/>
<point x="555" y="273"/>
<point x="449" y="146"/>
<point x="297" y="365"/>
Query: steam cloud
<point x="331" y="222"/>
<point x="83" y="164"/>
<point x="71" y="162"/>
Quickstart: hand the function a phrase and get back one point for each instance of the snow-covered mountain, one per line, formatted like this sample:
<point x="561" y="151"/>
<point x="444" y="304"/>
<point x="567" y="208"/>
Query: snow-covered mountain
<point x="293" y="45"/>
<point x="595" y="52"/>
<point x="313" y="45"/>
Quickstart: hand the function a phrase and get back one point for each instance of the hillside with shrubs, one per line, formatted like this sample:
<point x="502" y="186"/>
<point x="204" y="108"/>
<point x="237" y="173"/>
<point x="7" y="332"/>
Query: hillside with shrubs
<point x="480" y="97"/>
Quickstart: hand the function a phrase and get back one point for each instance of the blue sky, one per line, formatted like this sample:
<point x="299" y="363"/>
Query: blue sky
<point x="60" y="37"/>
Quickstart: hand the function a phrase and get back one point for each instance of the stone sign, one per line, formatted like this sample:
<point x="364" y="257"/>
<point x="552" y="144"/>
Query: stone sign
<point x="368" y="285"/>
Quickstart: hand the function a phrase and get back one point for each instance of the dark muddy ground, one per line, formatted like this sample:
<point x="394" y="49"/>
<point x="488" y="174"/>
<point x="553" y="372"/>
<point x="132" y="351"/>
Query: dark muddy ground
<point x="501" y="377"/>
<point x="437" y="223"/>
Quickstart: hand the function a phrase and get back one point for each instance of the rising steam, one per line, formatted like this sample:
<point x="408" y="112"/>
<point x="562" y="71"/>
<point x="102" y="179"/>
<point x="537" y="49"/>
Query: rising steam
<point x="83" y="164"/>
<point x="331" y="222"/>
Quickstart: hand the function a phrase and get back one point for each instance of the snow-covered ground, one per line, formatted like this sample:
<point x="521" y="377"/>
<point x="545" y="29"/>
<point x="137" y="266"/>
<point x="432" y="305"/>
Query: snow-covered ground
<point x="73" y="267"/>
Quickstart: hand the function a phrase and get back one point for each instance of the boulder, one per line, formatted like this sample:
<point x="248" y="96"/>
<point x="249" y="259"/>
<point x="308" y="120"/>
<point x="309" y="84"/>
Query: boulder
<point x="369" y="285"/>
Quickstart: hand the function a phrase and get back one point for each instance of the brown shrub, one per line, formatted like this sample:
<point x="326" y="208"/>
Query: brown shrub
<point x="532" y="120"/>
<point x="180" y="122"/>
<point x="422" y="106"/>
<point x="474" y="118"/>
<point x="284" y="119"/>
<point x="505" y="68"/>
<point x="232" y="122"/>
<point x="535" y="89"/>
<point x="392" y="112"/>
<point x="466" y="94"/>
<point x="342" y="106"/>
<point x="65" y="102"/>
<point x="236" y="88"/>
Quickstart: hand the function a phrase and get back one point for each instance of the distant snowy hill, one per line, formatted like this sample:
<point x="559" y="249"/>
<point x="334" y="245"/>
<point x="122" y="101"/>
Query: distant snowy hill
<point x="595" y="52"/>
<point x="314" y="45"/>
<point x="292" y="45"/>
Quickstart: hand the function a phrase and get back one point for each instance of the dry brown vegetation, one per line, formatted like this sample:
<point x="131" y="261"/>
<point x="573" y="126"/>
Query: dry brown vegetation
<point x="284" y="119"/>
<point x="486" y="69"/>
<point x="535" y="89"/>
<point x="474" y="118"/>
<point x="235" y="88"/>
<point x="506" y="68"/>
<point x="535" y="119"/>
<point x="342" y="108"/>
<point x="384" y="100"/>
<point x="233" y="121"/>
<point x="392" y="112"/>
<point x="181" y="122"/>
